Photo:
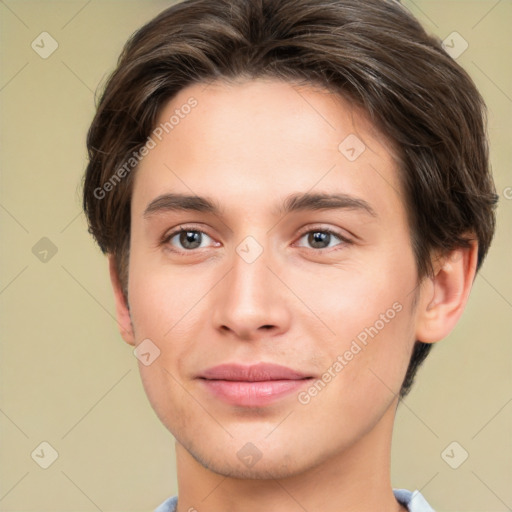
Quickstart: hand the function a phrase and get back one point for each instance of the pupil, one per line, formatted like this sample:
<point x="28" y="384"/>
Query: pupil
<point x="317" y="238"/>
<point x="190" y="239"/>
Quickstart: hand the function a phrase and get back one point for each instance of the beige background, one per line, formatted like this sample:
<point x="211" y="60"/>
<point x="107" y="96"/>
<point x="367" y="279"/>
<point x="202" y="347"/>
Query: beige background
<point x="66" y="376"/>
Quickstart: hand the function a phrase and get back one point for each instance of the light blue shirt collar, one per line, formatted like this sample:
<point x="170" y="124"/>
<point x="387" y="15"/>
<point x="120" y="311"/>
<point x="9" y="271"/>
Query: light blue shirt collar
<point x="414" y="501"/>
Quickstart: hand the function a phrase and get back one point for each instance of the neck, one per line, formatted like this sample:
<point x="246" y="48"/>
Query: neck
<point x="356" y="480"/>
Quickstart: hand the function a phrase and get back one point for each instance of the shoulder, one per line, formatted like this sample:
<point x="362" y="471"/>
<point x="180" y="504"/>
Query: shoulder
<point x="414" y="501"/>
<point x="169" y="505"/>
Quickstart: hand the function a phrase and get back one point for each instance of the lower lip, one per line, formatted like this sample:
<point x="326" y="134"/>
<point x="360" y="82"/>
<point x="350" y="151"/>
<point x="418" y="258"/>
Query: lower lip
<point x="252" y="394"/>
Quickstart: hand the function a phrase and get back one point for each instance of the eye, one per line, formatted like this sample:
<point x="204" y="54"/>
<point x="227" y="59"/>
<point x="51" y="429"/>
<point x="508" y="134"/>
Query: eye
<point x="189" y="239"/>
<point x="322" y="238"/>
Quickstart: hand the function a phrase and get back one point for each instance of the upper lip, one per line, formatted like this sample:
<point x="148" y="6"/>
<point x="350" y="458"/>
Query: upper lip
<point x="252" y="373"/>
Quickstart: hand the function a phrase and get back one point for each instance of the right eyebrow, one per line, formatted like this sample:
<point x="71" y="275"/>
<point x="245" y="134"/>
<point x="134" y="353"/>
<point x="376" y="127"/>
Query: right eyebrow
<point x="176" y="202"/>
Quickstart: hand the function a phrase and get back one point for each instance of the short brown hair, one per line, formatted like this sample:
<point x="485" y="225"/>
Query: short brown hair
<point x="374" y="53"/>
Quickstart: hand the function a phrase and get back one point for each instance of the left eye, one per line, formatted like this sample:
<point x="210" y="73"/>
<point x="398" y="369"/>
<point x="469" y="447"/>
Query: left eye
<point x="188" y="238"/>
<point x="321" y="239"/>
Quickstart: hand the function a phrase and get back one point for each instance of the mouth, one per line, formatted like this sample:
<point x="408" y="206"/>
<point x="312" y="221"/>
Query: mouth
<point x="252" y="386"/>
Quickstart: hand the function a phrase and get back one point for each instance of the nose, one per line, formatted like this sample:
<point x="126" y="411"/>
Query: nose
<point x="251" y="301"/>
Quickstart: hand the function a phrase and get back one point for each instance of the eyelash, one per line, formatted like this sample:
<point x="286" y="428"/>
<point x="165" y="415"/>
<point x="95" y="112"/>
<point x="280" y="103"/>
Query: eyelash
<point x="169" y="236"/>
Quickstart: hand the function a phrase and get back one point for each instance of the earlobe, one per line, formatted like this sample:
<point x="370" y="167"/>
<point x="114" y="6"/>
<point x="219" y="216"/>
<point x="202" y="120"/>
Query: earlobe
<point x="124" y="321"/>
<point x="443" y="300"/>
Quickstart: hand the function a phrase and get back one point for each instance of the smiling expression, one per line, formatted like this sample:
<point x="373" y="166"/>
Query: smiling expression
<point x="257" y="237"/>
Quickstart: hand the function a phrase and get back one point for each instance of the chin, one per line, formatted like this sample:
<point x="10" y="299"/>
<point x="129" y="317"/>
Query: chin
<point x="262" y="470"/>
<point x="271" y="462"/>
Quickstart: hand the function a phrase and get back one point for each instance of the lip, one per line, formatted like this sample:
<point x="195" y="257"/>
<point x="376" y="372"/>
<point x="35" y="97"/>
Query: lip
<point x="254" y="385"/>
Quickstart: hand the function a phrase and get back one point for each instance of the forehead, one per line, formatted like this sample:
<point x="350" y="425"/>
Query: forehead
<point x="251" y="140"/>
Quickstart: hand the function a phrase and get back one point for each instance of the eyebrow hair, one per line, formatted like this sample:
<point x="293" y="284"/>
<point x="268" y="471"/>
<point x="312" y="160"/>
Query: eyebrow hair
<point x="324" y="201"/>
<point x="292" y="203"/>
<point x="177" y="202"/>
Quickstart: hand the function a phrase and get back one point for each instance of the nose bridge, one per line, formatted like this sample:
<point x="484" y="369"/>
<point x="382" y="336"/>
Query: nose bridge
<point x="250" y="298"/>
<point x="249" y="279"/>
<point x="250" y="273"/>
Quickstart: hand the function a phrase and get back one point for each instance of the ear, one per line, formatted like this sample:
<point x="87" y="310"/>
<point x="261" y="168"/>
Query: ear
<point x="444" y="296"/>
<point x="122" y="312"/>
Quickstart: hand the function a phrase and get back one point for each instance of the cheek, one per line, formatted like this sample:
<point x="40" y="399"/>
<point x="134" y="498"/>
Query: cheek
<point x="369" y="317"/>
<point x="169" y="400"/>
<point x="162" y="308"/>
<point x="347" y="300"/>
<point x="166" y="307"/>
<point x="162" y="298"/>
<point x="364" y="365"/>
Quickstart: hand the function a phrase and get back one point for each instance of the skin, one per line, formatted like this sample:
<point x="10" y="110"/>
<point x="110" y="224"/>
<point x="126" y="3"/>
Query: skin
<point x="247" y="145"/>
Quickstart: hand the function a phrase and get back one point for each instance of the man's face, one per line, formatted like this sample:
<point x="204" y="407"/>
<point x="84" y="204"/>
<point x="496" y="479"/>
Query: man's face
<point x="255" y="282"/>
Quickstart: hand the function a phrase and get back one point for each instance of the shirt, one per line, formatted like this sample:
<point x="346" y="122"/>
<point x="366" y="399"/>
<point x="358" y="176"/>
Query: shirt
<point x="414" y="501"/>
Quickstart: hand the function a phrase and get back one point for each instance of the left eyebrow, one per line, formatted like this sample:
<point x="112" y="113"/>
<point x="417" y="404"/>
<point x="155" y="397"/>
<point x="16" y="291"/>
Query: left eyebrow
<point x="292" y="203"/>
<point x="324" y="201"/>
